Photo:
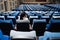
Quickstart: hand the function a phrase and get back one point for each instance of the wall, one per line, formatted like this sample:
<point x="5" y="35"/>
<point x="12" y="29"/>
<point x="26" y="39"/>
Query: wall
<point x="2" y="7"/>
<point x="34" y="1"/>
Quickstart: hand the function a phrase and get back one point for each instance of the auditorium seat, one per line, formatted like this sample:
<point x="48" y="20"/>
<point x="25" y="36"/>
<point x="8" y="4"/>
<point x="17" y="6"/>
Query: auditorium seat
<point x="2" y="17"/>
<point x="49" y="14"/>
<point x="22" y="25"/>
<point x="31" y="19"/>
<point x="20" y="35"/>
<point x="16" y="9"/>
<point x="6" y="26"/>
<point x="16" y="13"/>
<point x="56" y="17"/>
<point x="29" y="13"/>
<point x="39" y="26"/>
<point x="54" y="6"/>
<point x="13" y="18"/>
<point x="56" y="14"/>
<point x="40" y="37"/>
<point x="54" y="25"/>
<point x="3" y="37"/>
<point x="48" y="35"/>
<point x="46" y="17"/>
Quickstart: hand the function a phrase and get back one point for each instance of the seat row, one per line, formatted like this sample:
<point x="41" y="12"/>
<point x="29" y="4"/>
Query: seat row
<point x="41" y="22"/>
<point x="37" y="7"/>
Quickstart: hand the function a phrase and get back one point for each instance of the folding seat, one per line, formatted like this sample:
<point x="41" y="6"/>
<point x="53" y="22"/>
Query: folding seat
<point x="16" y="9"/>
<point x="49" y="14"/>
<point x="29" y="13"/>
<point x="39" y="26"/>
<point x="46" y="17"/>
<point x="54" y="25"/>
<point x="31" y="18"/>
<point x="11" y="13"/>
<point x="3" y="37"/>
<point x="38" y="14"/>
<point x="51" y="35"/>
<point x="2" y="17"/>
<point x="6" y="26"/>
<point x="33" y="12"/>
<point x="1" y="34"/>
<point x="56" y="14"/>
<point x="56" y="17"/>
<point x="16" y="14"/>
<point x="40" y="37"/>
<point x="1" y="13"/>
<point x="13" y="18"/>
<point x="22" y="25"/>
<point x="24" y="8"/>
<point x="21" y="7"/>
<point x="19" y="35"/>
<point x="27" y="8"/>
<point x="5" y="14"/>
<point x="30" y="8"/>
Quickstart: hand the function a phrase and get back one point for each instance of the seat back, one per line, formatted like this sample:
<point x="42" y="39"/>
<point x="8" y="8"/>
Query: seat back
<point x="13" y="19"/>
<point x="2" y="17"/>
<point x="31" y="35"/>
<point x="23" y="25"/>
<point x="1" y="34"/>
<point x="48" y="35"/>
<point x="54" y="26"/>
<point x="39" y="26"/>
<point x="46" y="17"/>
<point x="32" y="17"/>
<point x="6" y="26"/>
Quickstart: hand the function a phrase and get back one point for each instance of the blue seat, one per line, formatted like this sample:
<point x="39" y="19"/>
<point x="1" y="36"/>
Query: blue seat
<point x="47" y="26"/>
<point x="16" y="14"/>
<point x="29" y="13"/>
<point x="16" y="9"/>
<point x="5" y="14"/>
<point x="6" y="26"/>
<point x="1" y="13"/>
<point x="48" y="34"/>
<point x="11" y="13"/>
<point x="3" y="37"/>
<point x="54" y="25"/>
<point x="46" y="17"/>
<point x="56" y="17"/>
<point x="1" y="34"/>
<point x="23" y="25"/>
<point x="2" y="17"/>
<point x="13" y="18"/>
<point x="39" y="26"/>
<point x="40" y="37"/>
<point x="31" y="18"/>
